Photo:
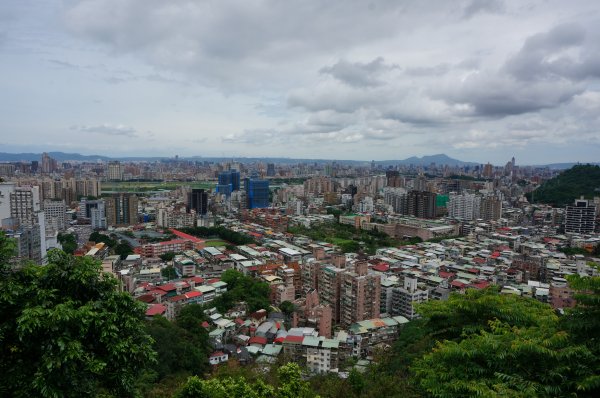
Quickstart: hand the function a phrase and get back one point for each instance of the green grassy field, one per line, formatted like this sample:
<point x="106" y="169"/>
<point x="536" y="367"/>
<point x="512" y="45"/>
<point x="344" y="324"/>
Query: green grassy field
<point x="215" y="242"/>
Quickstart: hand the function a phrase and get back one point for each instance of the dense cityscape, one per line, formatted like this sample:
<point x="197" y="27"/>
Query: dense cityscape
<point x="338" y="256"/>
<point x="299" y="199"/>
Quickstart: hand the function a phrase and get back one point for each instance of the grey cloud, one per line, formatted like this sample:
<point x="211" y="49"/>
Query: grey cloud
<point x="359" y="74"/>
<point x="545" y="56"/>
<point x="107" y="129"/>
<point x="428" y="70"/>
<point x="499" y="96"/>
<point x="248" y="44"/>
<point x="64" y="64"/>
<point x="339" y="99"/>
<point x="483" y="6"/>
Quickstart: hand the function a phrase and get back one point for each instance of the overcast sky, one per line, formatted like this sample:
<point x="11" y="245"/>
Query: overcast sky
<point x="478" y="80"/>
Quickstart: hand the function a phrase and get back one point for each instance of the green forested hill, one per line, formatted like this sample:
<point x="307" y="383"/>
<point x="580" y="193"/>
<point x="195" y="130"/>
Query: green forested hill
<point x="569" y="185"/>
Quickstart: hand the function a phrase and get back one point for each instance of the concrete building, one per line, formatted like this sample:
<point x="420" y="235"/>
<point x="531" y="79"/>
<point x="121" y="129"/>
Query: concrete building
<point x="397" y="198"/>
<point x="122" y="210"/>
<point x="360" y="294"/>
<point x="49" y="165"/>
<point x="55" y="212"/>
<point x="466" y="206"/>
<point x="311" y="313"/>
<point x="114" y="171"/>
<point x="580" y="217"/>
<point x="421" y="204"/>
<point x="24" y="204"/>
<point x="491" y="208"/>
<point x="95" y="211"/>
<point x="318" y="185"/>
<point x="29" y="243"/>
<point x="329" y="289"/>
<point x="6" y="188"/>
<point x="175" y="218"/>
<point x="404" y="298"/>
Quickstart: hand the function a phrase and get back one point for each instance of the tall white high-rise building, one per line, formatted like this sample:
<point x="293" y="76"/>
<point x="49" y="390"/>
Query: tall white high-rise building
<point x="56" y="215"/>
<point x="465" y="206"/>
<point x="29" y="219"/>
<point x="6" y="188"/>
<point x="404" y="298"/>
<point x="24" y="204"/>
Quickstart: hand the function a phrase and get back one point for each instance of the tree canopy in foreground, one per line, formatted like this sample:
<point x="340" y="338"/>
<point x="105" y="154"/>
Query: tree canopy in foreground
<point x="65" y="330"/>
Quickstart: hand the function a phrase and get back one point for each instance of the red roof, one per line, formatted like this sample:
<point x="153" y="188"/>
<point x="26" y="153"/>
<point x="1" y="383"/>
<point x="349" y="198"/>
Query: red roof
<point x="479" y="260"/>
<point x="381" y="267"/>
<point x="257" y="340"/>
<point x="457" y="283"/>
<point x="205" y="325"/>
<point x="294" y="339"/>
<point x="178" y="298"/>
<point x="280" y="339"/>
<point x="147" y="298"/>
<point x="156" y="309"/>
<point x="185" y="236"/>
<point x="480" y="284"/>
<point x="495" y="254"/>
<point x="213" y="280"/>
<point x="196" y="279"/>
<point x="193" y="294"/>
<point x="167" y="287"/>
<point x="156" y="292"/>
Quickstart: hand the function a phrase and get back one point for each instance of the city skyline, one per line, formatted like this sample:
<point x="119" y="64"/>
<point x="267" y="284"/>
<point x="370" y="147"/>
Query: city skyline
<point x="478" y="80"/>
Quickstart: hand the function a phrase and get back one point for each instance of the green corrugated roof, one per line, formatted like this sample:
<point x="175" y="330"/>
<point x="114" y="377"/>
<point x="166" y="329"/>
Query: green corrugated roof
<point x="329" y="343"/>
<point x="311" y="341"/>
<point x="401" y="320"/>
<point x="272" y="349"/>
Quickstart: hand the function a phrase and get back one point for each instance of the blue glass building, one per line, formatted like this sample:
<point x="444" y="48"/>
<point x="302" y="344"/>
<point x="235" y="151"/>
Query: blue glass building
<point x="229" y="181"/>
<point x="257" y="193"/>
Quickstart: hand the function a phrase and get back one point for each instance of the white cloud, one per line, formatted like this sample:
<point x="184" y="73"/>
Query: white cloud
<point x="271" y="77"/>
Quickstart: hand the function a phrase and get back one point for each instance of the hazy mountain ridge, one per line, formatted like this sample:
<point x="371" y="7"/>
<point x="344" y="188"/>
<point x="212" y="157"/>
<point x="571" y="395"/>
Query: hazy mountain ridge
<point x="438" y="159"/>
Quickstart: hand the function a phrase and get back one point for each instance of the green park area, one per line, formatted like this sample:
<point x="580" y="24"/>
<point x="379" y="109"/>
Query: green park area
<point x="150" y="186"/>
<point x="350" y="239"/>
<point x="215" y="243"/>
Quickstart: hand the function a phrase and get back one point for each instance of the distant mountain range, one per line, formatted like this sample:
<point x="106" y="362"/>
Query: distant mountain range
<point x="439" y="159"/>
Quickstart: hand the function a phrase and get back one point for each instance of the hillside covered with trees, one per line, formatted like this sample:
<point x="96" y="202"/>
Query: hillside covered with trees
<point x="568" y="186"/>
<point x="65" y="331"/>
